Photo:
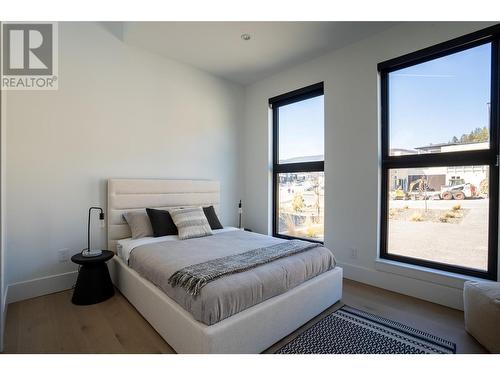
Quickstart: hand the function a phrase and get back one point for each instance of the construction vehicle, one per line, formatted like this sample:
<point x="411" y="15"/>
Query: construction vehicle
<point x="458" y="189"/>
<point x="399" y="194"/>
<point x="420" y="190"/>
<point x="459" y="192"/>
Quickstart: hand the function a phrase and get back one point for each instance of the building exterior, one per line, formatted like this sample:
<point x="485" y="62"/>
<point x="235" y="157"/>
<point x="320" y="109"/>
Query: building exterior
<point x="438" y="177"/>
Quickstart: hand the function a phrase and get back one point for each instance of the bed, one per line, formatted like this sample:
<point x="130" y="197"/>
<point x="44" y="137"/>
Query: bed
<point x="195" y="326"/>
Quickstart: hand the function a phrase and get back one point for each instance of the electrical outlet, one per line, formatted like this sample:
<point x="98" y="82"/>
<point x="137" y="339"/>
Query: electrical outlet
<point x="63" y="255"/>
<point x="353" y="253"/>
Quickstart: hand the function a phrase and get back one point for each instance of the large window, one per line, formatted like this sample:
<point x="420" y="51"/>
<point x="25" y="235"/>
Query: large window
<point x="298" y="164"/>
<point x="439" y="201"/>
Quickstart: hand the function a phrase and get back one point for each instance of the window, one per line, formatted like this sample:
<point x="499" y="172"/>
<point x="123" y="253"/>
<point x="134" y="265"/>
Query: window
<point x="439" y="203"/>
<point x="298" y="164"/>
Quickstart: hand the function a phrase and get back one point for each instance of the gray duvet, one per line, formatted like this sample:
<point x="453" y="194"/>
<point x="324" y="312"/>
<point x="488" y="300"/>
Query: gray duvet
<point x="230" y="294"/>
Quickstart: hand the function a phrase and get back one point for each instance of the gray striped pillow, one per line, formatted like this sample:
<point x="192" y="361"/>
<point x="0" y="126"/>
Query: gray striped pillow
<point x="191" y="222"/>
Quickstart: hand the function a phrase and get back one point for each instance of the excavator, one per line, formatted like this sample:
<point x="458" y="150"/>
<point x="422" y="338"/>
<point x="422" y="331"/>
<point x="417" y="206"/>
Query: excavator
<point x="420" y="189"/>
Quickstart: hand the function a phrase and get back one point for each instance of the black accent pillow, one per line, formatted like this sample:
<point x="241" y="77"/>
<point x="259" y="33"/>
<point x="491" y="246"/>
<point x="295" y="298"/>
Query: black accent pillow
<point x="212" y="218"/>
<point x="161" y="222"/>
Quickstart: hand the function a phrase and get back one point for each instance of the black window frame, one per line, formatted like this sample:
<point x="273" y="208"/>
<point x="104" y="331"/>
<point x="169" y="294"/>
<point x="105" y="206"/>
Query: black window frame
<point x="476" y="157"/>
<point x="275" y="103"/>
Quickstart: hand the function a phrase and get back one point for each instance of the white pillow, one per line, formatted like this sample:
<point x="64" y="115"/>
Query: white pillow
<point x="191" y="222"/>
<point x="139" y="224"/>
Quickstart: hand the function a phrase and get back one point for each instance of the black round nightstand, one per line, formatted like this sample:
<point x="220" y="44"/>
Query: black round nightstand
<point x="94" y="283"/>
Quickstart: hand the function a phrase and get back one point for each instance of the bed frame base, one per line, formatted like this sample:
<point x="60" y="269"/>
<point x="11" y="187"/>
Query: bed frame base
<point x="250" y="331"/>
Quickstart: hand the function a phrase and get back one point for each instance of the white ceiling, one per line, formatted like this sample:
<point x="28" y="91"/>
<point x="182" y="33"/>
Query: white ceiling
<point x="217" y="47"/>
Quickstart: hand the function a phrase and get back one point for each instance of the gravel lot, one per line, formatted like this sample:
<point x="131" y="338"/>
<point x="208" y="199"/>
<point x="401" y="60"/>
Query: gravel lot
<point x="463" y="244"/>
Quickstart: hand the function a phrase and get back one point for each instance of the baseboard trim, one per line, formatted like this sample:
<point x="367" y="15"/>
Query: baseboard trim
<point x="426" y="290"/>
<point x="440" y="294"/>
<point x="3" y="318"/>
<point x="40" y="286"/>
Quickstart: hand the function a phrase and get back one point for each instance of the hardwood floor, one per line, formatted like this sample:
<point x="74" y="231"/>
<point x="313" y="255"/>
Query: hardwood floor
<point x="51" y="324"/>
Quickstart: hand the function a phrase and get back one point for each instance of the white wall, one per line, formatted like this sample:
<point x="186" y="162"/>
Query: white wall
<point x="3" y="284"/>
<point x="119" y="112"/>
<point x="351" y="153"/>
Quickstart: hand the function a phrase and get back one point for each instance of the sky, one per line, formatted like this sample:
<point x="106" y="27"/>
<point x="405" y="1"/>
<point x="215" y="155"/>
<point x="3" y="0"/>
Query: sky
<point x="302" y="128"/>
<point x="428" y="103"/>
<point x="434" y="101"/>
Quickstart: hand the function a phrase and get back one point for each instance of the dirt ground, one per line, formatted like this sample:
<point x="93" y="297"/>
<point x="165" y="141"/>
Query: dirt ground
<point x="453" y="216"/>
<point x="463" y="241"/>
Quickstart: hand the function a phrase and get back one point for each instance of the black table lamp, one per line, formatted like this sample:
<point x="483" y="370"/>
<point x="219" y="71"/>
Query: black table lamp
<point x="240" y="212"/>
<point x="88" y="252"/>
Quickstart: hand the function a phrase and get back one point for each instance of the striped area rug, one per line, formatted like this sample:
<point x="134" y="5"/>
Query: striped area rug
<point x="352" y="331"/>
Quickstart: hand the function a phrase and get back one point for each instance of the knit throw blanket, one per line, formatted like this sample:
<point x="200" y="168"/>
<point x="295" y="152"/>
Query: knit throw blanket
<point x="195" y="277"/>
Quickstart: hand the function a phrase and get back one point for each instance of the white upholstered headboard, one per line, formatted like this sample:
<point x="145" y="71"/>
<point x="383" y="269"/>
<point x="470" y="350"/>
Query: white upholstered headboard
<point x="135" y="194"/>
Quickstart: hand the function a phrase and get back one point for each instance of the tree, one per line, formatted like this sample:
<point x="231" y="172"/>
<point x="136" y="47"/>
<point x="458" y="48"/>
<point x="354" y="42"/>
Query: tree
<point x="475" y="136"/>
<point x="422" y="189"/>
<point x="317" y="201"/>
<point x="298" y="202"/>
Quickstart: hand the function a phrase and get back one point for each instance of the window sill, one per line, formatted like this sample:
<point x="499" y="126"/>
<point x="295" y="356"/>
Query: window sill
<point x="453" y="280"/>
